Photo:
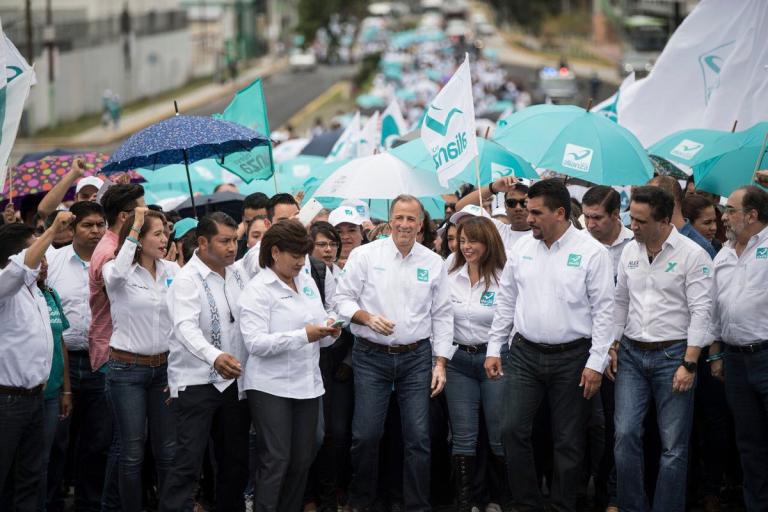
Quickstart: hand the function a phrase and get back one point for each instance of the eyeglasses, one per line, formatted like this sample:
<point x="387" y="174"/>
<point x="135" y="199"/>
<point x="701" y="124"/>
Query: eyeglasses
<point x="325" y="245"/>
<point x="730" y="210"/>
<point x="512" y="203"/>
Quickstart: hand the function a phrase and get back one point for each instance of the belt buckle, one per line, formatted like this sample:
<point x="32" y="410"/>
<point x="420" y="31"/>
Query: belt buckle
<point x="752" y="348"/>
<point x="392" y="350"/>
<point x="472" y="349"/>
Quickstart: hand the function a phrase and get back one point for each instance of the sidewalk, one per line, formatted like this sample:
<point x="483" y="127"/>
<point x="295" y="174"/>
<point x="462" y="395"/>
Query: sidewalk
<point x="155" y="112"/>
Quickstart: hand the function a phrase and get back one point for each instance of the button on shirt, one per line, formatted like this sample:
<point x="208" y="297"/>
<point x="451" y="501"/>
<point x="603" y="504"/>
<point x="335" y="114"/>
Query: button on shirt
<point x="669" y="299"/>
<point x="68" y="275"/>
<point x="565" y="293"/>
<point x="196" y="315"/>
<point x="509" y="236"/>
<point x="100" y="332"/>
<point x="140" y="320"/>
<point x="27" y="339"/>
<point x="273" y="318"/>
<point x="739" y="315"/>
<point x="411" y="291"/>
<point x="473" y="307"/>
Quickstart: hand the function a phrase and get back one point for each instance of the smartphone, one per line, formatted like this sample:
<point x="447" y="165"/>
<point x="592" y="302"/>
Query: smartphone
<point x="309" y="211"/>
<point x="338" y="324"/>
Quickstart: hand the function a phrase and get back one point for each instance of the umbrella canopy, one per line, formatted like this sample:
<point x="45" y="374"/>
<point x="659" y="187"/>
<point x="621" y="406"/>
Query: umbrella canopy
<point x="322" y="144"/>
<point x="578" y="143"/>
<point x="29" y="157"/>
<point x="182" y="138"/>
<point x="495" y="162"/>
<point x="288" y="149"/>
<point x="228" y="202"/>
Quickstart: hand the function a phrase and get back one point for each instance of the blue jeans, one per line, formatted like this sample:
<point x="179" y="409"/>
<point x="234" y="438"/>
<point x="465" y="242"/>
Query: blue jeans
<point x="746" y="388"/>
<point x="377" y="374"/>
<point x="467" y="388"/>
<point x="645" y="377"/>
<point x="137" y="395"/>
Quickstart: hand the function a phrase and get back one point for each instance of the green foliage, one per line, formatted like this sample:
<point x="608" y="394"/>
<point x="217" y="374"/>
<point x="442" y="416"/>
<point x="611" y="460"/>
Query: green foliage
<point x="314" y="14"/>
<point x="366" y="71"/>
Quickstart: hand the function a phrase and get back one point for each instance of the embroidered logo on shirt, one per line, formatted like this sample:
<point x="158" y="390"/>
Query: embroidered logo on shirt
<point x="529" y="258"/>
<point x="168" y="281"/>
<point x="487" y="299"/>
<point x="761" y="253"/>
<point x="574" y="260"/>
<point x="309" y="292"/>
<point x="422" y="274"/>
<point x="633" y="264"/>
<point x="705" y="270"/>
<point x="671" y="266"/>
<point x="382" y="269"/>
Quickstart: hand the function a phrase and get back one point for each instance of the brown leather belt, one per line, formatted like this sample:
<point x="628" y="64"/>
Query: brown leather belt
<point x="35" y="391"/>
<point x="391" y="349"/>
<point x="546" y="348"/>
<point x="472" y="349"/>
<point x="748" y="349"/>
<point x="651" y="346"/>
<point x="131" y="358"/>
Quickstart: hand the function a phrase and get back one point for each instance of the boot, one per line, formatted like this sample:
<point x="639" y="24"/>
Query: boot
<point x="463" y="470"/>
<point x="499" y="483"/>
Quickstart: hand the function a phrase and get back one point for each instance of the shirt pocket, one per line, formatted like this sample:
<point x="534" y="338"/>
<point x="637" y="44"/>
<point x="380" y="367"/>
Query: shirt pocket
<point x="571" y="287"/>
<point x="757" y="275"/>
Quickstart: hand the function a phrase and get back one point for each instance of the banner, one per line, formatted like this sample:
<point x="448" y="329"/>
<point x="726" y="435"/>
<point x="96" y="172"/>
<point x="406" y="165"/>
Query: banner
<point x="369" y="136"/>
<point x="346" y="146"/>
<point x="711" y="73"/>
<point x="392" y="124"/>
<point x="15" y="81"/>
<point x="249" y="108"/>
<point x="448" y="130"/>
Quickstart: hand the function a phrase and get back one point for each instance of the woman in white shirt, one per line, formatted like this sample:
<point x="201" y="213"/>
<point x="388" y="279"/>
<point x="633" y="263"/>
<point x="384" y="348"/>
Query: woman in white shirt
<point x="284" y="323"/>
<point x="137" y="282"/>
<point x="474" y="276"/>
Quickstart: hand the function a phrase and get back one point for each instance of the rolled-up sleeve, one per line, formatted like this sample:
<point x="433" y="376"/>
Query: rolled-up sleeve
<point x="600" y="291"/>
<point x="184" y="306"/>
<point x="698" y="293"/>
<point x="15" y="275"/>
<point x="504" y="317"/>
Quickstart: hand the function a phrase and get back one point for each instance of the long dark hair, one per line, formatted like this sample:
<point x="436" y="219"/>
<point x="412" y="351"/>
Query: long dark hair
<point x="125" y="231"/>
<point x="482" y="230"/>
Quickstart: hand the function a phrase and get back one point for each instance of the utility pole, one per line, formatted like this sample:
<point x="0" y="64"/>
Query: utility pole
<point x="49" y="39"/>
<point x="30" y="33"/>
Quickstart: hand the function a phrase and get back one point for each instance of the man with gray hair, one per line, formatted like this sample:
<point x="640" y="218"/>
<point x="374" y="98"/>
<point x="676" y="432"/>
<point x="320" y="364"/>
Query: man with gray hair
<point x="395" y="293"/>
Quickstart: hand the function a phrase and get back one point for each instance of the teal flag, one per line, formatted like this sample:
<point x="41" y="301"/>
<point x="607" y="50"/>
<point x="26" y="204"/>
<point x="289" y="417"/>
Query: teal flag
<point x="249" y="108"/>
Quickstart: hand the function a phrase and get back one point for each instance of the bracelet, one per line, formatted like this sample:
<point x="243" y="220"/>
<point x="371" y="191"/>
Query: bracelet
<point x="131" y="239"/>
<point x="66" y="392"/>
<point x="490" y="188"/>
<point x="715" y="357"/>
<point x="136" y="229"/>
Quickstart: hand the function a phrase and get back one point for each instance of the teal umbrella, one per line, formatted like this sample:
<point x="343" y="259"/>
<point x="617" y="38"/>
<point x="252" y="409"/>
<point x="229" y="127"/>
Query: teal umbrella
<point x="687" y="146"/>
<point x="495" y="162"/>
<point x="572" y="141"/>
<point x="293" y="175"/>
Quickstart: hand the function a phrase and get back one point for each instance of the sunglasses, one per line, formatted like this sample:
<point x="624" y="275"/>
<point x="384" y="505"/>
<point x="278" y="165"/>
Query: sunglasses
<point x="512" y="203"/>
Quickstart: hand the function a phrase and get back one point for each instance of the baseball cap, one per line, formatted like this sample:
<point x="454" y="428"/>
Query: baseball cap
<point x="360" y="206"/>
<point x="183" y="227"/>
<point x="345" y="214"/>
<point x="470" y="209"/>
<point x="93" y="181"/>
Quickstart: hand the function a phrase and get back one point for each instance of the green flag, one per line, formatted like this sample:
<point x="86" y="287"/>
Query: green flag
<point x="249" y="108"/>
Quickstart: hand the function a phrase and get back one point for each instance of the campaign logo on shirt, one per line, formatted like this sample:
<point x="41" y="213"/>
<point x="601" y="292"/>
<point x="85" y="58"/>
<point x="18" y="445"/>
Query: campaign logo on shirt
<point x="574" y="260"/>
<point x="422" y="274"/>
<point x="705" y="270"/>
<point x="309" y="292"/>
<point x="761" y="253"/>
<point x="168" y="281"/>
<point x="633" y="264"/>
<point x="487" y="299"/>
<point x="671" y="266"/>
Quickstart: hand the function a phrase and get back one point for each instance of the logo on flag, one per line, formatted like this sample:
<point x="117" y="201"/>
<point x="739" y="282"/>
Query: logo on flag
<point x="711" y="63"/>
<point x="687" y="149"/>
<point x="577" y="157"/>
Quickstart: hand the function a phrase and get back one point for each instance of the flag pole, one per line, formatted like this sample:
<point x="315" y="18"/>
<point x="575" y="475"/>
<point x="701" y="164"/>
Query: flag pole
<point x="759" y="158"/>
<point x="733" y="128"/>
<point x="10" y="184"/>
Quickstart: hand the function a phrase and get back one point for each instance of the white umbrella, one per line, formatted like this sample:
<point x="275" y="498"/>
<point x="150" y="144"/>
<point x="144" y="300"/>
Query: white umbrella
<point x="288" y="149"/>
<point x="380" y="176"/>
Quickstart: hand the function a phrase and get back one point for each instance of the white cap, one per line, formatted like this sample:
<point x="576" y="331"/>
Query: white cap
<point x="346" y="214"/>
<point x="470" y="209"/>
<point x="92" y="181"/>
<point x="360" y="206"/>
<point x="499" y="211"/>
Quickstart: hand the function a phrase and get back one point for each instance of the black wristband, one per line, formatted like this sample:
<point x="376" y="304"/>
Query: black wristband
<point x="490" y="188"/>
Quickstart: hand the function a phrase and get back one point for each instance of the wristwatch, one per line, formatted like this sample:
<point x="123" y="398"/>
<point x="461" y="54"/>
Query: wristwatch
<point x="689" y="365"/>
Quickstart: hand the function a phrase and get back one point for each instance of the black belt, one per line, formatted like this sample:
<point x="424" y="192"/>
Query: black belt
<point x="748" y="349"/>
<point x="472" y="349"/>
<point x="652" y="346"/>
<point x="392" y="349"/>
<point x="35" y="391"/>
<point x="546" y="348"/>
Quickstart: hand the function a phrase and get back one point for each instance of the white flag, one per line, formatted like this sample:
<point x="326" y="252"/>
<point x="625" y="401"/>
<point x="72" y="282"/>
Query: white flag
<point x="608" y="107"/>
<point x="448" y="130"/>
<point x="16" y="77"/>
<point x="392" y="124"/>
<point x="346" y="146"/>
<point x="369" y="136"/>
<point x="713" y="71"/>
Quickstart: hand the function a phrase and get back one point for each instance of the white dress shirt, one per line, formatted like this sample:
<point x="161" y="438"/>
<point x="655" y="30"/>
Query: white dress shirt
<point x="273" y="317"/>
<point x="411" y="291"/>
<point x="27" y="339"/>
<point x="669" y="299"/>
<point x="473" y="307"/>
<point x="565" y="292"/>
<point x="68" y="275"/>
<point x="141" y="323"/>
<point x="509" y="236"/>
<point x="739" y="315"/>
<point x="191" y="345"/>
<point x="617" y="247"/>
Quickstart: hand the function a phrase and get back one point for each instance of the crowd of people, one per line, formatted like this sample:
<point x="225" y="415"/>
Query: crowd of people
<point x="474" y="362"/>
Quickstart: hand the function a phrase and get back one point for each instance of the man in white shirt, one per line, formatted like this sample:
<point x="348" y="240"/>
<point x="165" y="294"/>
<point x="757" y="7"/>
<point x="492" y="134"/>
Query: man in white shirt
<point x="27" y="353"/>
<point x="557" y="300"/>
<point x="396" y="294"/>
<point x="740" y="329"/>
<point x="662" y="311"/>
<point x="205" y="369"/>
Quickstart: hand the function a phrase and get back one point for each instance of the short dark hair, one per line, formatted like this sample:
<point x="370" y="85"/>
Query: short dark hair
<point x="756" y="199"/>
<point x="670" y="185"/>
<point x="327" y="230"/>
<point x="256" y="201"/>
<point x="83" y="209"/>
<point x="281" y="198"/>
<point x="661" y="202"/>
<point x="519" y="187"/>
<point x="554" y="193"/>
<point x="208" y="227"/>
<point x="407" y="198"/>
<point x="13" y="240"/>
<point x="287" y="235"/>
<point x="602" y="195"/>
<point x="120" y="198"/>
<point x="172" y="216"/>
<point x="693" y="205"/>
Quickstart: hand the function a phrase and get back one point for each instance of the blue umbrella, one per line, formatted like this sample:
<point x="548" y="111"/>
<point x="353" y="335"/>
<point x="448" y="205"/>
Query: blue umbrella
<point x="182" y="139"/>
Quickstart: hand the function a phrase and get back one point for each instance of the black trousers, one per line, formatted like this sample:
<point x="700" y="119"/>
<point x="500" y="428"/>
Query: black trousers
<point x="21" y="450"/>
<point x="286" y="435"/>
<point x="203" y="412"/>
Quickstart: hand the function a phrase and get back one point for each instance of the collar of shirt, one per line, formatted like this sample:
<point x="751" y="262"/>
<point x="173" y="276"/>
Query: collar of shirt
<point x="624" y="235"/>
<point x="759" y="237"/>
<point x="389" y="245"/>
